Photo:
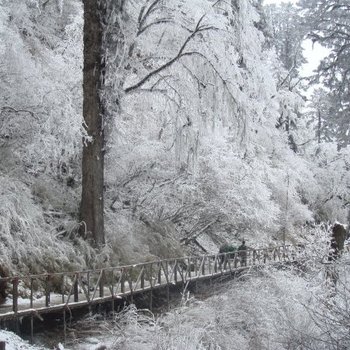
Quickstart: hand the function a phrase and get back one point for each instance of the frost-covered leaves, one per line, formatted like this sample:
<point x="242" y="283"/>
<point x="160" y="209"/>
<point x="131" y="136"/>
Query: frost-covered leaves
<point x="40" y="100"/>
<point x="28" y="243"/>
<point x="287" y="35"/>
<point x="332" y="173"/>
<point x="196" y="144"/>
<point x="194" y="149"/>
<point x="328" y="24"/>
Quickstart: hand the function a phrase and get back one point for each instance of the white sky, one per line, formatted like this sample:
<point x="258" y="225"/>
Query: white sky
<point x="313" y="53"/>
<point x="268" y="2"/>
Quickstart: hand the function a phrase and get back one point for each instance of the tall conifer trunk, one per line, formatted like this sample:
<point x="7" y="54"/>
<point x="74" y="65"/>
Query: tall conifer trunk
<point x="92" y="202"/>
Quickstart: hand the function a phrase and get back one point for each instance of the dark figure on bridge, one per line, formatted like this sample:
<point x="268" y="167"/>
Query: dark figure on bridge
<point x="333" y="250"/>
<point x="242" y="250"/>
<point x="338" y="238"/>
<point x="230" y="253"/>
<point x="3" y="286"/>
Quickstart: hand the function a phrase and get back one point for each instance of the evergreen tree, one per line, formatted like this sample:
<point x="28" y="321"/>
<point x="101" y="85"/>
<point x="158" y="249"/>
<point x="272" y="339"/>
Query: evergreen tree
<point x="287" y="35"/>
<point x="328" y="23"/>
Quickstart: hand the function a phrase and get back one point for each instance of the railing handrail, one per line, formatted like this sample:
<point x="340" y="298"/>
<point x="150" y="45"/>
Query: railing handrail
<point x="129" y="266"/>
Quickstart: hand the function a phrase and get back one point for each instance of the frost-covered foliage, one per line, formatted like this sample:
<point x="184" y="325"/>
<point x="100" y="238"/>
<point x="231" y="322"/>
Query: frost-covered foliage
<point x="196" y="143"/>
<point x="202" y="133"/>
<point x="40" y="99"/>
<point x="29" y="241"/>
<point x="332" y="173"/>
<point x="327" y="22"/>
<point x="40" y="134"/>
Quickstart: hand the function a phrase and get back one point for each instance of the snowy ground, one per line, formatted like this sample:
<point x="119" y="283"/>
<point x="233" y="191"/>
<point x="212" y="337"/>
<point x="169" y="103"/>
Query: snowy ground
<point x="14" y="342"/>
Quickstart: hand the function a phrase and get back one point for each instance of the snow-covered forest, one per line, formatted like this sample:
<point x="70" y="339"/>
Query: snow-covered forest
<point x="205" y="133"/>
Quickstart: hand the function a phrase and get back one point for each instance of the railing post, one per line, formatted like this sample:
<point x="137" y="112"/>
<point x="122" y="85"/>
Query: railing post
<point x="175" y="272"/>
<point x="224" y="261"/>
<point x="2" y="345"/>
<point x="102" y="283"/>
<point x="131" y="287"/>
<point x="151" y="290"/>
<point x="122" y="281"/>
<point x="166" y="271"/>
<point x="142" y="277"/>
<point x="167" y="283"/>
<point x="76" y="288"/>
<point x="62" y="288"/>
<point x="151" y="274"/>
<point x="15" y="295"/>
<point x="47" y="291"/>
<point x="215" y="263"/>
<point x="159" y="274"/>
<point x="203" y="266"/>
<point x="88" y="283"/>
<point x="31" y="292"/>
<point x="112" y="291"/>
<point x="196" y="266"/>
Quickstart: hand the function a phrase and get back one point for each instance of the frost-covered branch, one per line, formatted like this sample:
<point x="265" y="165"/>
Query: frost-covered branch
<point x="145" y="14"/>
<point x="198" y="29"/>
<point x="12" y="109"/>
<point x="191" y="237"/>
<point x="223" y="80"/>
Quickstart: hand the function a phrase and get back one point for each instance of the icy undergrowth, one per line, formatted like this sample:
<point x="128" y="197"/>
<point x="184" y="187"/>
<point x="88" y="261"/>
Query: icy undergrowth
<point x="273" y="309"/>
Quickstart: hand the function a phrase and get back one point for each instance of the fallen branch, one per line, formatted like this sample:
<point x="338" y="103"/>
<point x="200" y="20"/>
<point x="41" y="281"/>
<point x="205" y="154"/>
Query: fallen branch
<point x="187" y="240"/>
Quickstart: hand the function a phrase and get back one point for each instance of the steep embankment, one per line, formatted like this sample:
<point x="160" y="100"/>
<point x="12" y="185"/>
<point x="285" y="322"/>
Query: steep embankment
<point x="193" y="155"/>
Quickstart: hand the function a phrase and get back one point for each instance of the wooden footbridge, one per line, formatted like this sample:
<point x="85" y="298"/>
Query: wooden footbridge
<point x="59" y="292"/>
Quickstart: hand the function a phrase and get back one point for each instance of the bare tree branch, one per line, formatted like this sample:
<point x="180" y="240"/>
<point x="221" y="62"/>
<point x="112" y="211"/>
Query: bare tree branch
<point x="11" y="109"/>
<point x="187" y="240"/>
<point x="224" y="81"/>
<point x="160" y="21"/>
<point x="199" y="28"/>
<point x="145" y="14"/>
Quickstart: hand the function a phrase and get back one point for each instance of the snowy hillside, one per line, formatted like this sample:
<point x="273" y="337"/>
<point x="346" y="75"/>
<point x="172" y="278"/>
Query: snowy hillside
<point x="205" y="139"/>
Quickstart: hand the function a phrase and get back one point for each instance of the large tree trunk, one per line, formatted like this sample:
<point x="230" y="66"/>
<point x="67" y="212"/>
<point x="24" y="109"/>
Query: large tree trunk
<point x="91" y="207"/>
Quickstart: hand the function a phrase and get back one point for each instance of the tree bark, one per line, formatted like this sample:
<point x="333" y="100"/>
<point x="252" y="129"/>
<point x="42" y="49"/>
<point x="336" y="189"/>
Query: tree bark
<point x="92" y="202"/>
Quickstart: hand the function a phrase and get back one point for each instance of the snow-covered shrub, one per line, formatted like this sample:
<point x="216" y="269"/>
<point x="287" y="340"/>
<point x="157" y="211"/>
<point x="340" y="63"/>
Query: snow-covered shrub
<point x="273" y="309"/>
<point x="28" y="243"/>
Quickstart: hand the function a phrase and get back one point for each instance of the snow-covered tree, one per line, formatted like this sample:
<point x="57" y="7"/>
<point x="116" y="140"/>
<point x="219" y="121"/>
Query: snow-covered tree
<point x="328" y="24"/>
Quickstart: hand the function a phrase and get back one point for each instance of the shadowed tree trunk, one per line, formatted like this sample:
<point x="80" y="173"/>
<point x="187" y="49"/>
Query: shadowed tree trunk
<point x="92" y="203"/>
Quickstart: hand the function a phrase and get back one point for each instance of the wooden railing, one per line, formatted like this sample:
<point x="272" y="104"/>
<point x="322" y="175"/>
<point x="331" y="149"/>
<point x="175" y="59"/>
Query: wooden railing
<point x="50" y="292"/>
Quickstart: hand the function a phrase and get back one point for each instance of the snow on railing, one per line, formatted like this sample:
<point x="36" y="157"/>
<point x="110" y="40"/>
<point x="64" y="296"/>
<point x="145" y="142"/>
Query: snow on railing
<point x="50" y="292"/>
